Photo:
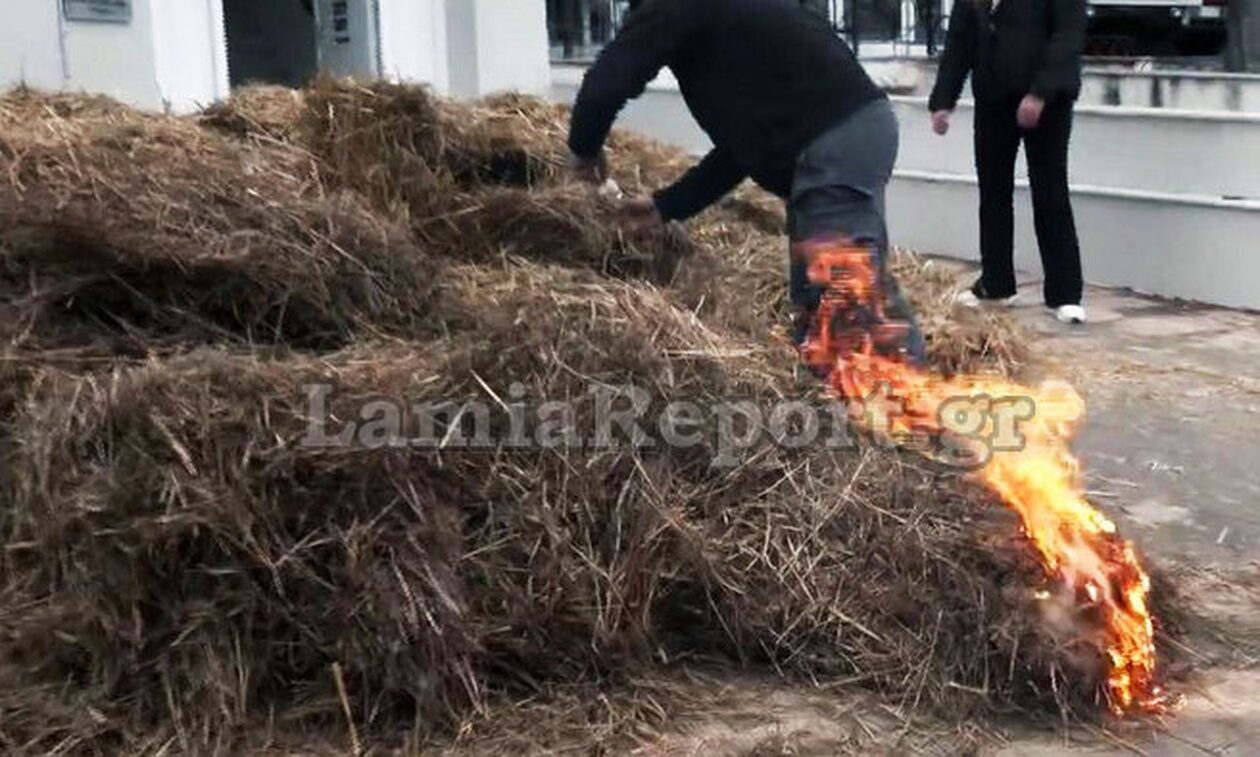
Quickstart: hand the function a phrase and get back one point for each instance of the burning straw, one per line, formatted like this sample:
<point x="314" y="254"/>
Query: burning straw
<point x="1096" y="573"/>
<point x="180" y="571"/>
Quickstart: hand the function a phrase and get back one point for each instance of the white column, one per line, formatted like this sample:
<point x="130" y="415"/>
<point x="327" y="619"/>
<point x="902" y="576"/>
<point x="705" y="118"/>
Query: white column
<point x="31" y="46"/>
<point x="909" y="20"/>
<point x="115" y="59"/>
<point x="497" y="46"/>
<point x="413" y="42"/>
<point x="347" y="37"/>
<point x="189" y="53"/>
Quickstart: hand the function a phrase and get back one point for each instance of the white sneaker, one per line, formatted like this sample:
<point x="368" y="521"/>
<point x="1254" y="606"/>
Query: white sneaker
<point x="1070" y="314"/>
<point x="968" y="299"/>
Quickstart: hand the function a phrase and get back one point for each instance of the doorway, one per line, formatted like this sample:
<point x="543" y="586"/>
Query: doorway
<point x="272" y="42"/>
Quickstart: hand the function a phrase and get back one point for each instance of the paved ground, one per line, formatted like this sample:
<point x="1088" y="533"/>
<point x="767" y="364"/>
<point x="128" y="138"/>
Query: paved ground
<point x="1170" y="443"/>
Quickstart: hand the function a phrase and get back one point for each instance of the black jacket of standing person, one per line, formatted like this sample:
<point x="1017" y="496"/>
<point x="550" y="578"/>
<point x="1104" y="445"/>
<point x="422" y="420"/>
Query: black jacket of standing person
<point x="1017" y="48"/>
<point x="763" y="78"/>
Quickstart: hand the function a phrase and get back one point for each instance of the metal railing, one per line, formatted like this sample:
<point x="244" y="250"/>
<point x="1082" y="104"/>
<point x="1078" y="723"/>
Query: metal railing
<point x="910" y="26"/>
<point x="578" y="29"/>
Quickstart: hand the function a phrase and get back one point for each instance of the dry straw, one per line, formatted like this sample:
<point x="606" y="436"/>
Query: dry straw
<point x="179" y="572"/>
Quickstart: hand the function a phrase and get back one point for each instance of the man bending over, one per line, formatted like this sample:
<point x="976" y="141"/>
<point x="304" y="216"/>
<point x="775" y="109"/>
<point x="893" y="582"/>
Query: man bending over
<point x="786" y="103"/>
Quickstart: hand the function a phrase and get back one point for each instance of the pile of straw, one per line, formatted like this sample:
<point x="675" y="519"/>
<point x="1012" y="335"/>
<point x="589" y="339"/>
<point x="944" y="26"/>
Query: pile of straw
<point x="961" y="339"/>
<point x="181" y="569"/>
<point x="139" y="230"/>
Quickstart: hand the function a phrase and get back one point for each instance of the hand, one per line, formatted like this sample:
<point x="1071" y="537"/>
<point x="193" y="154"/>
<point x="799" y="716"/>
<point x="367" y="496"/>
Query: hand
<point x="590" y="170"/>
<point x="940" y="122"/>
<point x="640" y="214"/>
<point x="1029" y="113"/>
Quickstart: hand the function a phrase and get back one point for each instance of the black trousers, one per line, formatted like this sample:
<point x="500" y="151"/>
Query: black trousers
<point x="997" y="142"/>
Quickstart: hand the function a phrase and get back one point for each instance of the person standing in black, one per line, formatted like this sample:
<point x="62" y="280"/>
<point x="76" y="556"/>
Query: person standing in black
<point x="1024" y="58"/>
<point x="785" y="102"/>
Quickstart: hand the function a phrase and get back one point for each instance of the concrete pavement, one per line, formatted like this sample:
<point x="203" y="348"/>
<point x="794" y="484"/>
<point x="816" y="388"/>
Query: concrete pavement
<point x="1170" y="442"/>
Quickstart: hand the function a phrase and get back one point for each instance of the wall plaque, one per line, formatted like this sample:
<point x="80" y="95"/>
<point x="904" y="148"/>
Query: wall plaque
<point x="108" y="11"/>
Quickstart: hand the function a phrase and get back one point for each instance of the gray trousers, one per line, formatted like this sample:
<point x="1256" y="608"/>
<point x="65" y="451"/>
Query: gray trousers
<point x="838" y="189"/>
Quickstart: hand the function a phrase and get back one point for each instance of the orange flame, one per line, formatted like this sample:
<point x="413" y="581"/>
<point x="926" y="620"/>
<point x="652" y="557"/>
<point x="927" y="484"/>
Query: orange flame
<point x="1038" y="478"/>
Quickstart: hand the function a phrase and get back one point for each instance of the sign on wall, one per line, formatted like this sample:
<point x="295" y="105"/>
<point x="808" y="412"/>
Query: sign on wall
<point x="109" y="11"/>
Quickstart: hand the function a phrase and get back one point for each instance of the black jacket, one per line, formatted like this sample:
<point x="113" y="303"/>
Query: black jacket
<point x="761" y="77"/>
<point x="1024" y="47"/>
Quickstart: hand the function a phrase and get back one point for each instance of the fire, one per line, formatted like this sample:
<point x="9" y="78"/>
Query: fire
<point x="1038" y="478"/>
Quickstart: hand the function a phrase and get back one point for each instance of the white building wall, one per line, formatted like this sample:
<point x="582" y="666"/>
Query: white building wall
<point x="30" y="45"/>
<point x="167" y="56"/>
<point x="498" y="45"/>
<point x="118" y="60"/>
<point x="1164" y="245"/>
<point x="1171" y="89"/>
<point x="190" y="53"/>
<point x="1156" y="150"/>
<point x="461" y="41"/>
<point x="512" y="46"/>
<point x="173" y="53"/>
<point x="413" y="42"/>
